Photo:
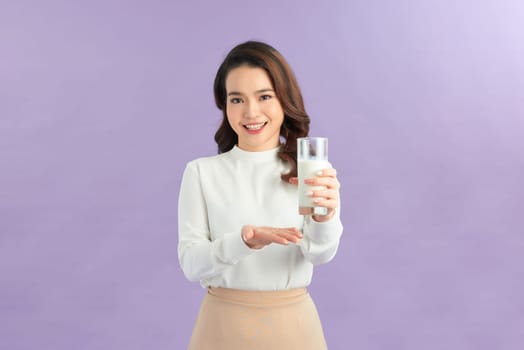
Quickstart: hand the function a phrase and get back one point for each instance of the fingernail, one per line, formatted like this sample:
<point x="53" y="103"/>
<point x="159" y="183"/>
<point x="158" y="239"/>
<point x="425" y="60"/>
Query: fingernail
<point x="320" y="172"/>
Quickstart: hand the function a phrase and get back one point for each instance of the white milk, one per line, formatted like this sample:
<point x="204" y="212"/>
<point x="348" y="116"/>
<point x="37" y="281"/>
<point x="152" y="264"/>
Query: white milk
<point x="308" y="169"/>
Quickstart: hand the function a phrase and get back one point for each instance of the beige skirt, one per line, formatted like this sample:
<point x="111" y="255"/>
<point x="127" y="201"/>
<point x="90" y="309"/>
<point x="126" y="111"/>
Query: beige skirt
<point x="232" y="319"/>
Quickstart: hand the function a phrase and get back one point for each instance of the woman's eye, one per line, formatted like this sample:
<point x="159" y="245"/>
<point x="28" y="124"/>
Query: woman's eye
<point x="235" y="100"/>
<point x="265" y="97"/>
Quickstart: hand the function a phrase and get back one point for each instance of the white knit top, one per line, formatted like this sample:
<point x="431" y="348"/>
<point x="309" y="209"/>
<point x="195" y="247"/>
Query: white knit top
<point x="218" y="196"/>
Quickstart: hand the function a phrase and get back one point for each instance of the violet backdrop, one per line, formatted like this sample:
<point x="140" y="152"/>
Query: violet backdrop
<point x="102" y="103"/>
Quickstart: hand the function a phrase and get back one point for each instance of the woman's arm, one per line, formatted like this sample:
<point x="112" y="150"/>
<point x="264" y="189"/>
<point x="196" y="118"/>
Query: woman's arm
<point x="321" y="239"/>
<point x="199" y="257"/>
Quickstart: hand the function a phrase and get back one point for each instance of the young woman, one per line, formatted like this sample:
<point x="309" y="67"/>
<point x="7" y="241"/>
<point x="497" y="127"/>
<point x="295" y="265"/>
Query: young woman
<point x="240" y="234"/>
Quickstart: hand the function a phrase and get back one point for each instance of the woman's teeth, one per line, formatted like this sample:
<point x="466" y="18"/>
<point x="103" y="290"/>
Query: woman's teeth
<point x="254" y="126"/>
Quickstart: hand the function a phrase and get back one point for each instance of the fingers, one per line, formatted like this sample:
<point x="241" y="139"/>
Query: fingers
<point x="279" y="235"/>
<point x="268" y="238"/>
<point x="327" y="197"/>
<point x="290" y="236"/>
<point x="327" y="193"/>
<point x="329" y="182"/>
<point x="331" y="172"/>
<point x="328" y="172"/>
<point x="326" y="177"/>
<point x="258" y="237"/>
<point x="277" y="230"/>
<point x="326" y="203"/>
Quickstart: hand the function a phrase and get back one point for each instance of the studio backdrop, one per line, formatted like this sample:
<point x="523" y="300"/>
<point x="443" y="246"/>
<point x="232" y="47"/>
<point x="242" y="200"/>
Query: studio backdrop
<point x="102" y="104"/>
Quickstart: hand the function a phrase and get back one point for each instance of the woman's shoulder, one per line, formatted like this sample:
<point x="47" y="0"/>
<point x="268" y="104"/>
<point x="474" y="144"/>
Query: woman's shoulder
<point x="208" y="160"/>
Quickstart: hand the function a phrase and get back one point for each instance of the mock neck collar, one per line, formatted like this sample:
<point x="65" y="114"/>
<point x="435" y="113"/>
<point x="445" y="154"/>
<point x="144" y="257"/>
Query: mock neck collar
<point x="255" y="156"/>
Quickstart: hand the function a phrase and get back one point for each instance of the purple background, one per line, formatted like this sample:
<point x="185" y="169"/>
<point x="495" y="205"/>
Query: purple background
<point x="103" y="102"/>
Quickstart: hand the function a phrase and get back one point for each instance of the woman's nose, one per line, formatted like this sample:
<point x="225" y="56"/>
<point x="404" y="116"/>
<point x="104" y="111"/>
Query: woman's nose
<point x="251" y="110"/>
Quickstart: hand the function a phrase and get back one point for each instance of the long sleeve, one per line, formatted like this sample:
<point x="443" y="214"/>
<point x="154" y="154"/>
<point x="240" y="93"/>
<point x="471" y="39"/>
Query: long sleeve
<point x="321" y="239"/>
<point x="200" y="257"/>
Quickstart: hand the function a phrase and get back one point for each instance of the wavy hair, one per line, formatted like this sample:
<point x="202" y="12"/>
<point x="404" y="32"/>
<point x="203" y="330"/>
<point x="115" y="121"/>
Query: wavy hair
<point x="296" y="121"/>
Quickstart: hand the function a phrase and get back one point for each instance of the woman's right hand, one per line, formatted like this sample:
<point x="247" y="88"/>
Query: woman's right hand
<point x="259" y="237"/>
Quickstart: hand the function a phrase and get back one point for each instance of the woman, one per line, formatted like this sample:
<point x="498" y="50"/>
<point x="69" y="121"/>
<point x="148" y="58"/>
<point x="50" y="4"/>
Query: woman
<point x="240" y="234"/>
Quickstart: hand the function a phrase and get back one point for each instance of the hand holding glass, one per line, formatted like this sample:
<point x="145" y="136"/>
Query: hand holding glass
<point x="312" y="157"/>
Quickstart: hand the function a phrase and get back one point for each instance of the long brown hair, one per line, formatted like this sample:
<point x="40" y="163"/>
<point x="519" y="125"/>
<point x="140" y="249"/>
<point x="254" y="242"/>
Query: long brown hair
<point x="296" y="121"/>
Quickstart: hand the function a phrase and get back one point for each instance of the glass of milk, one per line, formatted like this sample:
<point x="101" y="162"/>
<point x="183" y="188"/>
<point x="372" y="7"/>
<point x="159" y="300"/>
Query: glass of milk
<point x="312" y="156"/>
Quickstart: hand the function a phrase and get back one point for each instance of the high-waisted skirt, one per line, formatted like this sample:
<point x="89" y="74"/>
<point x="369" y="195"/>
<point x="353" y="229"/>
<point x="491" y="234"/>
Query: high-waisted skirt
<point x="232" y="319"/>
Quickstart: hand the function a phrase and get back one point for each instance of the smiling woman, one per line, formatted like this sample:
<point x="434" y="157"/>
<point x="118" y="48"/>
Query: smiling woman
<point x="240" y="232"/>
<point x="282" y="82"/>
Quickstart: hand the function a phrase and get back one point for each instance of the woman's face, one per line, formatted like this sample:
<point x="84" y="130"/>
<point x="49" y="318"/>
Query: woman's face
<point x="253" y="110"/>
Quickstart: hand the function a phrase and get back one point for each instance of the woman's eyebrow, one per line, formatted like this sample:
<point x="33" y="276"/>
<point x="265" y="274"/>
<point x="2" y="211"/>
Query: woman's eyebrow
<point x="264" y="90"/>
<point x="256" y="92"/>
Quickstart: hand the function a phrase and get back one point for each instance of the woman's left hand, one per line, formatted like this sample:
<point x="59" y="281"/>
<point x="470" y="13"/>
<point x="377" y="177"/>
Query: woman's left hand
<point x="327" y="198"/>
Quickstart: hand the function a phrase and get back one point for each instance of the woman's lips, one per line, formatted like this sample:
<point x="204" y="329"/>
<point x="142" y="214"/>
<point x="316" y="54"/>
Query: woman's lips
<point x="254" y="128"/>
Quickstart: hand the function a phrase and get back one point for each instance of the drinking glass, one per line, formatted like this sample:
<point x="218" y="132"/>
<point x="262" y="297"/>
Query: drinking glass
<point x="312" y="156"/>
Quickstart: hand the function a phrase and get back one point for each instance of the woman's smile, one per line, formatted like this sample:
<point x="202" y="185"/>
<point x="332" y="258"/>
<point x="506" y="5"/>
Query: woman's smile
<point x="255" y="128"/>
